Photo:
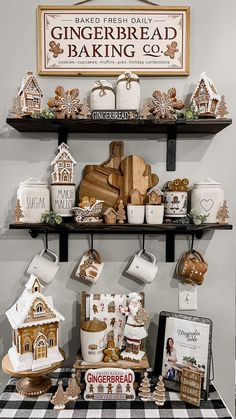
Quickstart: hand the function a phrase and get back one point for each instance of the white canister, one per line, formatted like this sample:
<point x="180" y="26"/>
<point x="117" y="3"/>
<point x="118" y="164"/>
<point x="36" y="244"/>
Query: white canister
<point x="154" y="214"/>
<point x="176" y="203"/>
<point x="93" y="336"/>
<point x="128" y="91"/>
<point x="63" y="199"/>
<point x="136" y="214"/>
<point x="207" y="197"/>
<point x="34" y="199"/>
<point x="102" y="96"/>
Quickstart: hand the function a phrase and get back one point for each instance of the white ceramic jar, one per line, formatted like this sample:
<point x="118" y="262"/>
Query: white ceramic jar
<point x="207" y="197"/>
<point x="154" y="214"/>
<point x="128" y="91"/>
<point x="34" y="199"/>
<point x="63" y="199"/>
<point x="175" y="203"/>
<point x="102" y="96"/>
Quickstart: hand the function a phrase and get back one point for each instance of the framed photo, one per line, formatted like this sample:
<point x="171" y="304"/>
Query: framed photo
<point x="183" y="342"/>
<point x="107" y="40"/>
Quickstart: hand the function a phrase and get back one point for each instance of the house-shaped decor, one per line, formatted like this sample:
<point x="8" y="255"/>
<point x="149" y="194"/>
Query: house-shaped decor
<point x="154" y="196"/>
<point x="110" y="216"/>
<point x="35" y="323"/>
<point x="136" y="197"/>
<point x="63" y="166"/>
<point x="205" y="97"/>
<point x="111" y="307"/>
<point x="30" y="95"/>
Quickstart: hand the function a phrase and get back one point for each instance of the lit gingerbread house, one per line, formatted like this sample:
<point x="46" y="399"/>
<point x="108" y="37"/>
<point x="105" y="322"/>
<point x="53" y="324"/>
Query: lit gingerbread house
<point x="63" y="166"/>
<point x="35" y="322"/>
<point x="30" y="95"/>
<point x="205" y="97"/>
<point x="154" y="196"/>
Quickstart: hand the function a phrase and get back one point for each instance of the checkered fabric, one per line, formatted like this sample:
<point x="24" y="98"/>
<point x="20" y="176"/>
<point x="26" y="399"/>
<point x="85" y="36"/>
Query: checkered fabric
<point x="14" y="405"/>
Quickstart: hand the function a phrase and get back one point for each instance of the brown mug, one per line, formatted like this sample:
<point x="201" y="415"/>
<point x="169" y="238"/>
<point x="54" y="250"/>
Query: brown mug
<point x="192" y="267"/>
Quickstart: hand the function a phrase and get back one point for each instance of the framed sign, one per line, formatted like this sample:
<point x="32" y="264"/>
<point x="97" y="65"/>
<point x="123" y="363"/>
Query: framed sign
<point x="184" y="342"/>
<point x="106" y="41"/>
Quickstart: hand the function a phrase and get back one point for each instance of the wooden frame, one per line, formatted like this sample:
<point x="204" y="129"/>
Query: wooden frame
<point x="182" y="342"/>
<point x="152" y="41"/>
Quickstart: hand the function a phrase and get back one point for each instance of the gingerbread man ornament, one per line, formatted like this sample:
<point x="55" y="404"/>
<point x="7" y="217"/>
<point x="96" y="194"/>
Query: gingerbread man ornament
<point x="55" y="48"/>
<point x="171" y="50"/>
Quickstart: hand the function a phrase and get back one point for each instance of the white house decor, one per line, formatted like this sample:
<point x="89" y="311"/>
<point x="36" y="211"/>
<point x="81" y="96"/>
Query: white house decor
<point x="30" y="95"/>
<point x="34" y="199"/>
<point x="109" y="384"/>
<point x="205" y="97"/>
<point x="63" y="187"/>
<point x="128" y="91"/>
<point x="35" y="322"/>
<point x="207" y="197"/>
<point x="102" y="96"/>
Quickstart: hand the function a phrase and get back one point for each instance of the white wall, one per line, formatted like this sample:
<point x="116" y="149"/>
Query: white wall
<point x="25" y="155"/>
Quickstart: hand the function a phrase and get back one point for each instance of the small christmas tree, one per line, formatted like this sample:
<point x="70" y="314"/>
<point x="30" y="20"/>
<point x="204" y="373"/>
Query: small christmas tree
<point x="145" y="111"/>
<point x="159" y="393"/>
<point x="222" y="109"/>
<point x="73" y="390"/>
<point x="222" y="214"/>
<point x="121" y="217"/>
<point x="59" y="399"/>
<point x="144" y="388"/>
<point x="85" y="111"/>
<point x="18" y="213"/>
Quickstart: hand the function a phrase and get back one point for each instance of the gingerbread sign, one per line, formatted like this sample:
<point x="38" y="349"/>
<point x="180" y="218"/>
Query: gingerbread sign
<point x="109" y="384"/>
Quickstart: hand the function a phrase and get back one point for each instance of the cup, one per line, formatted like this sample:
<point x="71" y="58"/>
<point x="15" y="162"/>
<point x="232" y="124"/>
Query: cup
<point x="154" y="214"/>
<point x="93" y="336"/>
<point x="135" y="214"/>
<point x="90" y="267"/>
<point x="44" y="268"/>
<point x="141" y="268"/>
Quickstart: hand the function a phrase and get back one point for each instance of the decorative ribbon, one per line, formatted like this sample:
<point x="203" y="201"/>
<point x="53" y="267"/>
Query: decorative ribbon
<point x="128" y="80"/>
<point x="102" y="88"/>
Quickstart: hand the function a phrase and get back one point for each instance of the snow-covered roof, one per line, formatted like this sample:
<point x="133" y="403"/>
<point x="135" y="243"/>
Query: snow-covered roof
<point x="211" y="88"/>
<point x="20" y="310"/>
<point x="155" y="189"/>
<point x="26" y="82"/>
<point x="63" y="154"/>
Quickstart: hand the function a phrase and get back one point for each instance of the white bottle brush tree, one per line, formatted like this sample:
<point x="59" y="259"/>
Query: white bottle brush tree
<point x="159" y="392"/>
<point x="144" y="388"/>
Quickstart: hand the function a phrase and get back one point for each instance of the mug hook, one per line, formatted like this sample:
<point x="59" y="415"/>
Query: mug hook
<point x="91" y="241"/>
<point x="143" y="247"/>
<point x="46" y="241"/>
<point x="192" y="242"/>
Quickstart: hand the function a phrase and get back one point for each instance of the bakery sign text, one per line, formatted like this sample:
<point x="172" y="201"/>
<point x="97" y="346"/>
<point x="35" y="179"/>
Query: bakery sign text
<point x="149" y="40"/>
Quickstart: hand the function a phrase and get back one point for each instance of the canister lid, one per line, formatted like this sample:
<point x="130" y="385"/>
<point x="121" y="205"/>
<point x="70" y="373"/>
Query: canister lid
<point x="208" y="183"/>
<point x="94" y="325"/>
<point x="32" y="181"/>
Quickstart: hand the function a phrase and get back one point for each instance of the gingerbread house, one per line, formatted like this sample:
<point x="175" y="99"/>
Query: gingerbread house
<point x="63" y="166"/>
<point x="205" y="96"/>
<point x="154" y="196"/>
<point x="30" y="95"/>
<point x="110" y="216"/>
<point x="136" y="197"/>
<point x="35" y="322"/>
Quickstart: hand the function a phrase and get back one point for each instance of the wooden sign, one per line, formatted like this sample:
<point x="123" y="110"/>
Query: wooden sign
<point x="109" y="384"/>
<point x="118" y="115"/>
<point x="107" y="40"/>
<point x="190" y="390"/>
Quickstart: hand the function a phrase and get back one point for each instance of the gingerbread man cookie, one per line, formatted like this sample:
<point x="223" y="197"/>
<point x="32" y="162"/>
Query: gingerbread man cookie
<point x="171" y="50"/>
<point x="55" y="48"/>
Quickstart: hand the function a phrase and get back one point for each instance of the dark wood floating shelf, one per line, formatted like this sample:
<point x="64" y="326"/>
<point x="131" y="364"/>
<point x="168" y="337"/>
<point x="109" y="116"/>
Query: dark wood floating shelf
<point x="170" y="230"/>
<point x="171" y="128"/>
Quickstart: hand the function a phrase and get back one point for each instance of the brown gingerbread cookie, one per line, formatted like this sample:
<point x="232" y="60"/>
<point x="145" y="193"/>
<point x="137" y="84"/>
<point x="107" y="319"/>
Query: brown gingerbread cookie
<point x="55" y="48"/>
<point x="171" y="50"/>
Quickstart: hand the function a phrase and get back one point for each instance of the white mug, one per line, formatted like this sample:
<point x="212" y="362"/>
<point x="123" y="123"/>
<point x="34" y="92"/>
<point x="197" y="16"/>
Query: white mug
<point x="43" y="268"/>
<point x="154" y="214"/>
<point x="143" y="269"/>
<point x="135" y="214"/>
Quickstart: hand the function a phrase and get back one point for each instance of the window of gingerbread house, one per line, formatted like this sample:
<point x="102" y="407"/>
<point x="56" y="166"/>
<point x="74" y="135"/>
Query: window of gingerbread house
<point x="39" y="308"/>
<point x="51" y="339"/>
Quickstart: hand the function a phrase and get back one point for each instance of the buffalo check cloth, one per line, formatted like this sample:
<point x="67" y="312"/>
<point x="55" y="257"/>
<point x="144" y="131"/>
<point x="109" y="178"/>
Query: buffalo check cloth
<point x="15" y="405"/>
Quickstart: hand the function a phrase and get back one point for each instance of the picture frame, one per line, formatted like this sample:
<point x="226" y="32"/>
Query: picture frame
<point x="191" y="348"/>
<point x="108" y="40"/>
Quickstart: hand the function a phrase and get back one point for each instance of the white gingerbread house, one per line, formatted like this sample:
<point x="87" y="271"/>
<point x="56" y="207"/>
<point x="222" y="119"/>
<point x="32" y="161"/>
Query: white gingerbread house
<point x="30" y="95"/>
<point x="205" y="96"/>
<point x="35" y="322"/>
<point x="63" y="166"/>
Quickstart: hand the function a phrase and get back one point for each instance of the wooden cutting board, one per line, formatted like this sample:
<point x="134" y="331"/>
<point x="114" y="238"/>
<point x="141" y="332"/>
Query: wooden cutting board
<point x="135" y="174"/>
<point x="95" y="181"/>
